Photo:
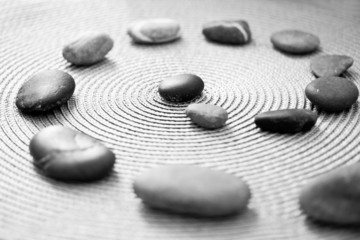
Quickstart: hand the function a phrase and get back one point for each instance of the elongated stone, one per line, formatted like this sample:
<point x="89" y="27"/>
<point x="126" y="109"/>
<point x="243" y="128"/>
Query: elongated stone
<point x="228" y="32"/>
<point x="330" y="65"/>
<point x="153" y="31"/>
<point x="295" y="41"/>
<point x="193" y="190"/>
<point x="334" y="197"/>
<point x="286" y="121"/>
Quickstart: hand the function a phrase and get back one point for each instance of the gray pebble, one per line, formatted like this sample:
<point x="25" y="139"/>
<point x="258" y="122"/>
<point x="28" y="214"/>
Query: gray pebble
<point x="45" y="90"/>
<point x="207" y="115"/>
<point x="295" y="41"/>
<point x="193" y="190"/>
<point x="330" y="65"/>
<point x="334" y="197"/>
<point x="88" y="49"/>
<point x="64" y="154"/>
<point x="157" y="30"/>
<point x="332" y="94"/>
<point x="228" y="32"/>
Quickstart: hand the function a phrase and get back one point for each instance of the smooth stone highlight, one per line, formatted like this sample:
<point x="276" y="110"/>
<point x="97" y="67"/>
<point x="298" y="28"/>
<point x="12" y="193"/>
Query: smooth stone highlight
<point x="158" y="30"/>
<point x="45" y="90"/>
<point x="330" y="65"/>
<point x="181" y="88"/>
<point x="235" y="32"/>
<point x="88" y="49"/>
<point x="286" y="121"/>
<point x="295" y="41"/>
<point x="67" y="155"/>
<point x="332" y="94"/>
<point x="334" y="197"/>
<point x="207" y="115"/>
<point x="193" y="190"/>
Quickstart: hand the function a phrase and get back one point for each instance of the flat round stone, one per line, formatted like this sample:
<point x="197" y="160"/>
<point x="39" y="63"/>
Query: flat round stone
<point x="332" y="94"/>
<point x="228" y="32"/>
<point x="193" y="190"/>
<point x="64" y="154"/>
<point x="207" y="115"/>
<point x="295" y="41"/>
<point x="286" y="121"/>
<point x="45" y="90"/>
<point x="157" y="30"/>
<point x="181" y="88"/>
<point x="330" y="65"/>
<point x="333" y="197"/>
<point x="88" y="49"/>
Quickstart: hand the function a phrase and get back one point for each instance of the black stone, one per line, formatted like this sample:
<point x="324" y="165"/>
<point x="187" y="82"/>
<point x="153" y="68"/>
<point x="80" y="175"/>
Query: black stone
<point x="228" y="32"/>
<point x="295" y="41"/>
<point x="45" y="90"/>
<point x="64" y="154"/>
<point x="181" y="88"/>
<point x="330" y="65"/>
<point x="286" y="121"/>
<point x="332" y="94"/>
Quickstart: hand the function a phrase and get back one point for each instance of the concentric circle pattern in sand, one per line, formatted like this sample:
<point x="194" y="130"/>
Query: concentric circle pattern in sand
<point x="117" y="102"/>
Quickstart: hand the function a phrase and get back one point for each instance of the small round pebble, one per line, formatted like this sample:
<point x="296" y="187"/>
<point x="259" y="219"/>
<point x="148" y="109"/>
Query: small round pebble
<point x="67" y="155"/>
<point x="45" y="90"/>
<point x="228" y="31"/>
<point x="181" y="88"/>
<point x="286" y="121"/>
<point x="333" y="197"/>
<point x="330" y="65"/>
<point x="88" y="49"/>
<point x="295" y="41"/>
<point x="193" y="190"/>
<point x="207" y="115"/>
<point x="332" y="94"/>
<point x="158" y="30"/>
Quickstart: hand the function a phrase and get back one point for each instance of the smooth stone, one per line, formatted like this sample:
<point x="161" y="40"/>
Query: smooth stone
<point x="88" y="49"/>
<point x="45" y="90"/>
<point x="286" y="121"/>
<point x="295" y="41"/>
<point x="181" y="88"/>
<point x="207" y="115"/>
<point x="228" y="31"/>
<point x="330" y="65"/>
<point x="157" y="30"/>
<point x="333" y="197"/>
<point x="65" y="154"/>
<point x="332" y="94"/>
<point x="193" y="190"/>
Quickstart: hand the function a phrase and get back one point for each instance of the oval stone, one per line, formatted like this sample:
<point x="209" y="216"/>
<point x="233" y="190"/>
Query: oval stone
<point x="158" y="30"/>
<point x="228" y="32"/>
<point x="333" y="197"/>
<point x="332" y="94"/>
<point x="295" y="41"/>
<point x="193" y="190"/>
<point x="286" y="121"/>
<point x="330" y="65"/>
<point x="45" y="90"/>
<point x="181" y="88"/>
<point x="207" y="115"/>
<point x="64" y="154"/>
<point x="88" y="49"/>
